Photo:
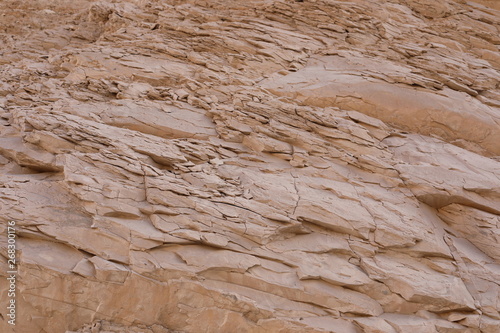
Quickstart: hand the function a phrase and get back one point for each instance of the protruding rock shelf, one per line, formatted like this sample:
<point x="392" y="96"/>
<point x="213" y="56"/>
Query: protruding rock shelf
<point x="251" y="166"/>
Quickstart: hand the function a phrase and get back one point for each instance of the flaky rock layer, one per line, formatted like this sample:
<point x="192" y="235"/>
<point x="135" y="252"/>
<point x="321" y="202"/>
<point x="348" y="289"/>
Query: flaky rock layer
<point x="251" y="166"/>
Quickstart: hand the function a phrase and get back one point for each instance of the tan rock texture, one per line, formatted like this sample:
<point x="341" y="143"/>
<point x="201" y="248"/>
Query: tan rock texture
<point x="251" y="165"/>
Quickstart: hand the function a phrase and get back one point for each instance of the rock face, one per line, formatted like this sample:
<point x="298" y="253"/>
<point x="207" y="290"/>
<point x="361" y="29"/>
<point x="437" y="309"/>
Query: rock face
<point x="251" y="166"/>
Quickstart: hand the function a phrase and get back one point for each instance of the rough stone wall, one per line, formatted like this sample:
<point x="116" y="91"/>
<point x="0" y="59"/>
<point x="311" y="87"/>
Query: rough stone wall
<point x="251" y="165"/>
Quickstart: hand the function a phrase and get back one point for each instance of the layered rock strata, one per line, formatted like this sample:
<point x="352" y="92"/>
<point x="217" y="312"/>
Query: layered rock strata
<point x="251" y="166"/>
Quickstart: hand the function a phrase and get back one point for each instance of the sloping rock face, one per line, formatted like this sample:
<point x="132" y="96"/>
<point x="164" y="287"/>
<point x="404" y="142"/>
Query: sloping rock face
<point x="251" y="166"/>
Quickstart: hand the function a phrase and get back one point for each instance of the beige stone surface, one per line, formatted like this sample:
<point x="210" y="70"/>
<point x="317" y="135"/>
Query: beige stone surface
<point x="251" y="166"/>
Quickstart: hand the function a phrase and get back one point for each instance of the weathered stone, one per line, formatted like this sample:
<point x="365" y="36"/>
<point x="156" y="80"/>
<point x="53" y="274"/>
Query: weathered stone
<point x="250" y="166"/>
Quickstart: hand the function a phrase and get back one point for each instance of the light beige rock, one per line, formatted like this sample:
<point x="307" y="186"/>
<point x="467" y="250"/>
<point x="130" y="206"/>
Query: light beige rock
<point x="251" y="166"/>
<point x="449" y="292"/>
<point x="479" y="227"/>
<point x="340" y="82"/>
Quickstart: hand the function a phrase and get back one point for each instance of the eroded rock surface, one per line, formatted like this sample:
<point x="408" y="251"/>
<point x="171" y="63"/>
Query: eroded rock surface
<point x="251" y="166"/>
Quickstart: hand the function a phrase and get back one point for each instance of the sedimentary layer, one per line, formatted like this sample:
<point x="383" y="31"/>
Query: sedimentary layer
<point x="251" y="166"/>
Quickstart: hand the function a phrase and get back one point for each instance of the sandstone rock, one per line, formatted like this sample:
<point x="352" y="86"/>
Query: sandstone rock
<point x="450" y="293"/>
<point x="250" y="166"/>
